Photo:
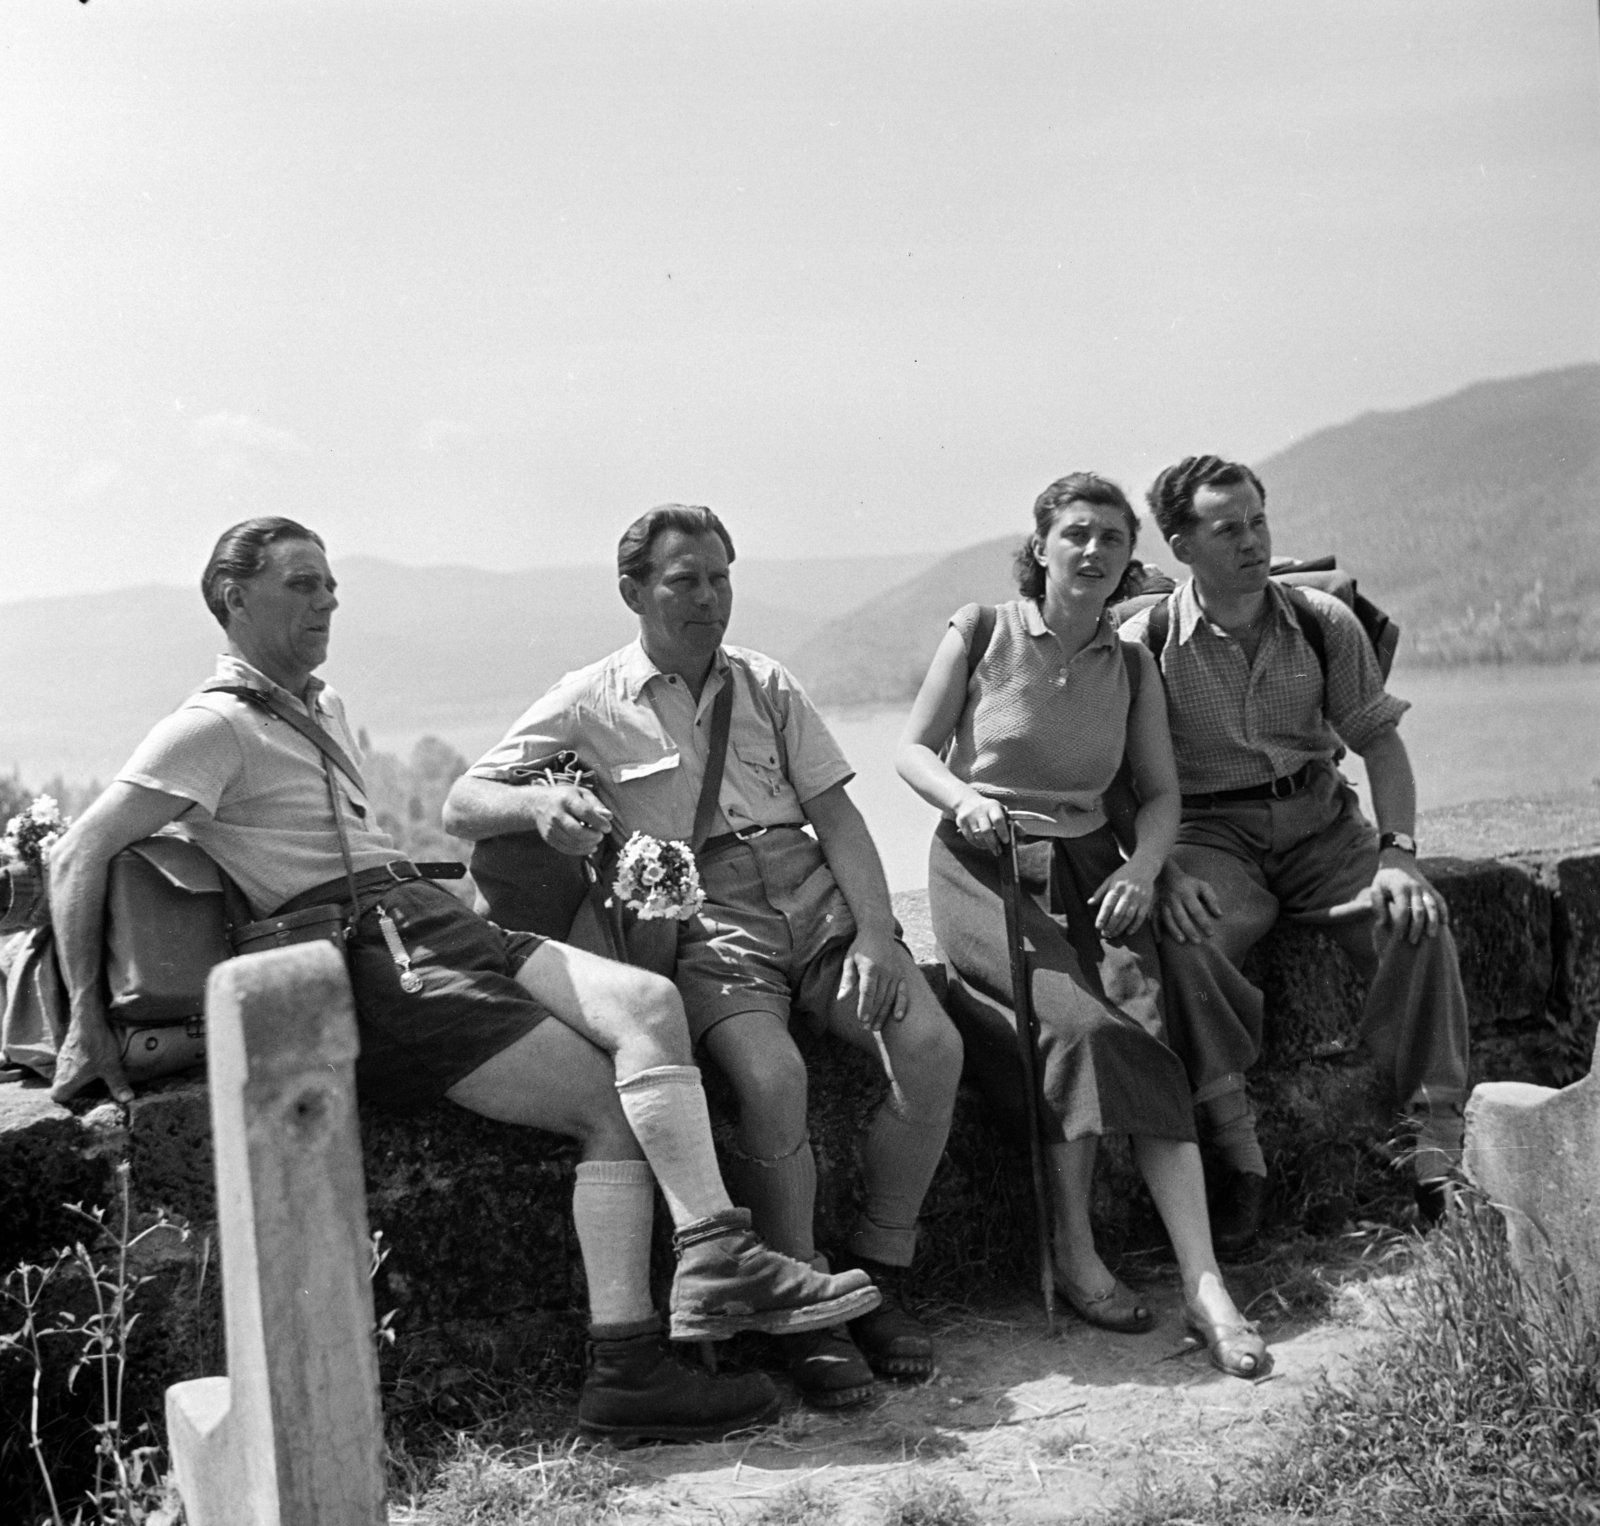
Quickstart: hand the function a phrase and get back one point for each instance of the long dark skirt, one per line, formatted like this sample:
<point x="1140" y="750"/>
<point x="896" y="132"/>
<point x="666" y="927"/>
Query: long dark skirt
<point x="1106" y="1069"/>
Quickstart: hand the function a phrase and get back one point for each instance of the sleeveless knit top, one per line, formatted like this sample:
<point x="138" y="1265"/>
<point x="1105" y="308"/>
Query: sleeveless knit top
<point x="1041" y="732"/>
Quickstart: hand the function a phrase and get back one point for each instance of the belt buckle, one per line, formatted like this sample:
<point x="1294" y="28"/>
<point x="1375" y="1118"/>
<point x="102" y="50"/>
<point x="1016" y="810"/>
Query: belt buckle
<point x="749" y="834"/>
<point x="1287" y="781"/>
<point x="392" y="870"/>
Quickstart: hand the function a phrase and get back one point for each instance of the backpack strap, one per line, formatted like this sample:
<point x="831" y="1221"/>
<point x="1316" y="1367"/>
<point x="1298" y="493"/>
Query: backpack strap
<point x="1158" y="628"/>
<point x="982" y="635"/>
<point x="1310" y="627"/>
<point x="309" y="729"/>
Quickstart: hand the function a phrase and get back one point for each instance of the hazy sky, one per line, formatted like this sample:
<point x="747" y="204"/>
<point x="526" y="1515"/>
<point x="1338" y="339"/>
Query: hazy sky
<point x="478" y="282"/>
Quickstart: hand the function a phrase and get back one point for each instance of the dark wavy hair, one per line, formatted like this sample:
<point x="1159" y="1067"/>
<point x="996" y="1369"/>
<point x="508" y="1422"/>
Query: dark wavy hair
<point x="241" y="554"/>
<point x="1076" y="487"/>
<point x="637" y="546"/>
<point x="1171" y="495"/>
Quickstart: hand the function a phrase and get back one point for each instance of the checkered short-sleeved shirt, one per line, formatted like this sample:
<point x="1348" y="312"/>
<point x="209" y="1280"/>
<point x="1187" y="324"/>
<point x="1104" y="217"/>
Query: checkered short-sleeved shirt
<point x="1236" y="724"/>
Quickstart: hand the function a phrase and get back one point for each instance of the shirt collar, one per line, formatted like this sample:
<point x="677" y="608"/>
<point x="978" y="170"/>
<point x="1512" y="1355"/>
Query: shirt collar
<point x="236" y="671"/>
<point x="635" y="669"/>
<point x="1033" y="622"/>
<point x="1190" y="616"/>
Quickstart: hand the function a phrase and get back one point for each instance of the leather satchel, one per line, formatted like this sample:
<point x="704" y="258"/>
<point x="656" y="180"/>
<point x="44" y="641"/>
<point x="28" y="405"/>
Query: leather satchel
<point x="169" y="909"/>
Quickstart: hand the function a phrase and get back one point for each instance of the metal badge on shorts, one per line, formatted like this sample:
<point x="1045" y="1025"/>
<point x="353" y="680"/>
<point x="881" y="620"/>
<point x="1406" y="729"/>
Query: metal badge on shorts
<point x="410" y="981"/>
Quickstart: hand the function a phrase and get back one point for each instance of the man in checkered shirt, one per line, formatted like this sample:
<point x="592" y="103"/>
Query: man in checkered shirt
<point x="1270" y="829"/>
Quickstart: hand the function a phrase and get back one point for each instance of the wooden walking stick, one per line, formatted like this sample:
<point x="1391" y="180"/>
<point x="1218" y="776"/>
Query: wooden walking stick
<point x="1028" y="1055"/>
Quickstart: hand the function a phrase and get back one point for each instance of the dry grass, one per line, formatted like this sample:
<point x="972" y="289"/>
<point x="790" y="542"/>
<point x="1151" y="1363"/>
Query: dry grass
<point x="1479" y="1407"/>
<point x="517" y="1486"/>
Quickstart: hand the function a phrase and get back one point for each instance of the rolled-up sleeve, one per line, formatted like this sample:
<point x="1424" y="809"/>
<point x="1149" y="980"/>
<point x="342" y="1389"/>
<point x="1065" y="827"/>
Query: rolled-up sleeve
<point x="548" y="726"/>
<point x="1356" y="703"/>
<point x="816" y="762"/>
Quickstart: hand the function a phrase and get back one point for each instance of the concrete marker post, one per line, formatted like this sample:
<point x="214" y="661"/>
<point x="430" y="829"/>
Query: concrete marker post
<point x="293" y="1436"/>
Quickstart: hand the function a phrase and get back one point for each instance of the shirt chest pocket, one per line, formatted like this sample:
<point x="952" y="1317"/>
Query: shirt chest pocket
<point x="760" y="764"/>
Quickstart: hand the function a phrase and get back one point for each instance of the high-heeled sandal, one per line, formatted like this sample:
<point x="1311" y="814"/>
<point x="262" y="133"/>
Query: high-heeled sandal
<point x="1236" y="1349"/>
<point x="1117" y="1309"/>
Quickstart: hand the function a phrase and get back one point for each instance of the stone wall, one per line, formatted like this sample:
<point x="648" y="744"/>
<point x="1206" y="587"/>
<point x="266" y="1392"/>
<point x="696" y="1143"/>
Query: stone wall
<point x="475" y="1215"/>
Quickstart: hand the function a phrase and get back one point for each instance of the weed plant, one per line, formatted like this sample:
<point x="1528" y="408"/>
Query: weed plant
<point x="127" y="1481"/>
<point x="938" y="1503"/>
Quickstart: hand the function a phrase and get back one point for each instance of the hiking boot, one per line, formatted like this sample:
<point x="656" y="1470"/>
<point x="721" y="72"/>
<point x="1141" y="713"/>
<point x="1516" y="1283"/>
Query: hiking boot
<point x="895" y="1343"/>
<point x="827" y="1368"/>
<point x="638" y="1390"/>
<point x="729" y="1280"/>
<point x="1237" y="1209"/>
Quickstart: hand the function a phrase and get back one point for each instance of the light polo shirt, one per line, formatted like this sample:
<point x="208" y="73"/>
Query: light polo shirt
<point x="259" y="795"/>
<point x="644" y="737"/>
<point x="1236" y="724"/>
<point x="1042" y="731"/>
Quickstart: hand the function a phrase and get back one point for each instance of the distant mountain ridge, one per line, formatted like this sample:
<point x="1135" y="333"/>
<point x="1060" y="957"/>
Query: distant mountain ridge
<point x="454" y="651"/>
<point x="1474" y="520"/>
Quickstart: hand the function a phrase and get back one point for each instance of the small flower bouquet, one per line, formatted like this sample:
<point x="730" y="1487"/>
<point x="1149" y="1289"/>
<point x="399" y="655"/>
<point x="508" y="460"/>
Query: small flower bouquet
<point x="32" y="833"/>
<point x="28" y="837"/>
<point x="658" y="879"/>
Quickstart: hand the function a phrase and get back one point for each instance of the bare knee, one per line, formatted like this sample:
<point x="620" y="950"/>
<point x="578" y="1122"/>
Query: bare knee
<point x="927" y="1050"/>
<point x="651" y="1010"/>
<point x="770" y="1082"/>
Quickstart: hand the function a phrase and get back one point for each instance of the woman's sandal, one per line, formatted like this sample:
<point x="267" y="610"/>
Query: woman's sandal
<point x="1118" y="1308"/>
<point x="1237" y="1350"/>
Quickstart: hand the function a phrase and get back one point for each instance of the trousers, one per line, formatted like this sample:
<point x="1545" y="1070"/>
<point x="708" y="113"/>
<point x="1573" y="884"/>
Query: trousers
<point x="1295" y="859"/>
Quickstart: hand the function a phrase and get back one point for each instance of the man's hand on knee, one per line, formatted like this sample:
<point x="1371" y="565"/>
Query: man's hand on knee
<point x="1188" y="909"/>
<point x="874" y="975"/>
<point x="1401" y="902"/>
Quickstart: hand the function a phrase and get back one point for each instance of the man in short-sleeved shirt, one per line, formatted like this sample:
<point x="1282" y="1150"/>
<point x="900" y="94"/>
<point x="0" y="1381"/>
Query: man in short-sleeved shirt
<point x="509" y="1025"/>
<point x="1259" y="721"/>
<point x="793" y="925"/>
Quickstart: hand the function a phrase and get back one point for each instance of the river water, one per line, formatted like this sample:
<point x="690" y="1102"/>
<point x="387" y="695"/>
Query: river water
<point x="1478" y="733"/>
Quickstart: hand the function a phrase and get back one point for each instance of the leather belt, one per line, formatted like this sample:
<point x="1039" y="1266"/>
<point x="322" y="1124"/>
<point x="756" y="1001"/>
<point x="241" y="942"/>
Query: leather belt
<point x="732" y="839"/>
<point x="1275" y="789"/>
<point x="337" y="892"/>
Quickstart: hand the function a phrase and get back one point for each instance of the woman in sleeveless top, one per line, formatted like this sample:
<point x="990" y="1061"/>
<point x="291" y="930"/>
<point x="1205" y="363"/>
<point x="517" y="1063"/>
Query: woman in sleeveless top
<point x="1040" y="722"/>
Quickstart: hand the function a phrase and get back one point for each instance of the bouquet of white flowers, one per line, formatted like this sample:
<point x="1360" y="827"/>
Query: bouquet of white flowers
<point x="32" y="833"/>
<point x="658" y="879"/>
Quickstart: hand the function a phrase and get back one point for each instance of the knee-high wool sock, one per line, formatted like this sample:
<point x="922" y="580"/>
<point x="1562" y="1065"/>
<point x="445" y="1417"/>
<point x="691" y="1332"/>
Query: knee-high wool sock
<point x="781" y="1195"/>
<point x="666" y="1108"/>
<point x="1230" y="1124"/>
<point x="898" y="1160"/>
<point x="613" y="1203"/>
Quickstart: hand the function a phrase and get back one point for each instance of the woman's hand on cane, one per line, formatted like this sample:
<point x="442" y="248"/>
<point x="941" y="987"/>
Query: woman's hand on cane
<point x="982" y="821"/>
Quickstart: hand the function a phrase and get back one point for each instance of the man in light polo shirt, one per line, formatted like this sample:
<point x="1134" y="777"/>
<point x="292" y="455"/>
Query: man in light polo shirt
<point x="1260" y="717"/>
<point x="515" y="1027"/>
<point x="794" y="925"/>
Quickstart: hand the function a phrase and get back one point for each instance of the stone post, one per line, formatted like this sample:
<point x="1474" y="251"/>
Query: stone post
<point x="293" y="1435"/>
<point x="1535" y="1153"/>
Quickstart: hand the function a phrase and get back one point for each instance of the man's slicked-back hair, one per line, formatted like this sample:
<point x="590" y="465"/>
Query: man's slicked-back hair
<point x="637" y="547"/>
<point x="1075" y="487"/>
<point x="241" y="554"/>
<point x="1171" y="495"/>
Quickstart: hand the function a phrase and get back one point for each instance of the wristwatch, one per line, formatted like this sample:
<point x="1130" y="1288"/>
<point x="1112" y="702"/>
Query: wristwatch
<point x="1404" y="841"/>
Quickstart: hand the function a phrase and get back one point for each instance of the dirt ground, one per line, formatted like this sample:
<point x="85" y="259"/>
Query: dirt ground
<point x="1028" y="1426"/>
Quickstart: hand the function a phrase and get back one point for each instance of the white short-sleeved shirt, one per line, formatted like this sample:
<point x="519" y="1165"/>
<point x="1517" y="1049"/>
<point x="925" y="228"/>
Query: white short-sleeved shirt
<point x="645" y="737"/>
<point x="258" y="792"/>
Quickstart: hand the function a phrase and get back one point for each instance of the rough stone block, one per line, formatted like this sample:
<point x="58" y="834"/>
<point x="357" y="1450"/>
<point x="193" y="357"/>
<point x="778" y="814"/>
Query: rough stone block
<point x="49" y="1157"/>
<point x="1577" y="933"/>
<point x="1535" y="1152"/>
<point x="1500" y="913"/>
